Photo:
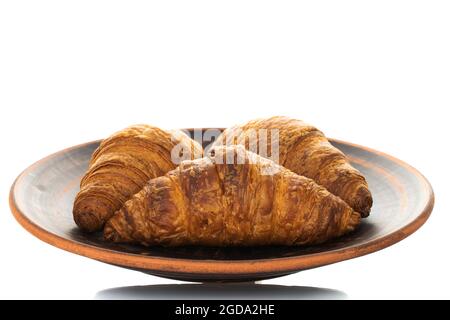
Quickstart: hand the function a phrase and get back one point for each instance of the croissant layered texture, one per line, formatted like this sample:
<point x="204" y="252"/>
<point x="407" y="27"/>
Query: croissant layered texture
<point x="306" y="151"/>
<point x="121" y="166"/>
<point x="244" y="202"/>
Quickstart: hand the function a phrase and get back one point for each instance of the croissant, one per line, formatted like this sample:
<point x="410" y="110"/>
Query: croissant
<point x="306" y="151"/>
<point x="121" y="166"/>
<point x="213" y="202"/>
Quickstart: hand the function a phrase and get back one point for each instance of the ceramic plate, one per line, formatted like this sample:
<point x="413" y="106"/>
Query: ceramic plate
<point x="41" y="200"/>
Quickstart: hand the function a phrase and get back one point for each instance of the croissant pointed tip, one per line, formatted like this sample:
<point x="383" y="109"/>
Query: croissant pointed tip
<point x="109" y="233"/>
<point x="355" y="220"/>
<point x="365" y="201"/>
<point x="88" y="221"/>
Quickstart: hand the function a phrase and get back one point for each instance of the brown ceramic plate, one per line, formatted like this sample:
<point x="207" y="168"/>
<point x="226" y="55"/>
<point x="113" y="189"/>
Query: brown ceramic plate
<point x="42" y="196"/>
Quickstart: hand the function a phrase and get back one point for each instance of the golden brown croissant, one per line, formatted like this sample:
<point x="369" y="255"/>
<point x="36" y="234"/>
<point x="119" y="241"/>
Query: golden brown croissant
<point x="306" y="151"/>
<point x="121" y="166"/>
<point x="212" y="203"/>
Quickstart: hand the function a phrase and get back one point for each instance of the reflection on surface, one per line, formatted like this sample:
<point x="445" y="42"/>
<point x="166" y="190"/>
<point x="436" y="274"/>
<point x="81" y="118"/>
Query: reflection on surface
<point x="241" y="291"/>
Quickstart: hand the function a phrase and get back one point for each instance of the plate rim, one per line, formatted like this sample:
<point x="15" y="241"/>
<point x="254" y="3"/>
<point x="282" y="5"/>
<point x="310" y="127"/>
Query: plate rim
<point x="236" y="267"/>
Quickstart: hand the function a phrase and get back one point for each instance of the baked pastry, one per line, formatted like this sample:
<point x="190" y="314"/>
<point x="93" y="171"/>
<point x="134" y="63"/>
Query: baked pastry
<point x="306" y="151"/>
<point x="121" y="166"/>
<point x="249" y="201"/>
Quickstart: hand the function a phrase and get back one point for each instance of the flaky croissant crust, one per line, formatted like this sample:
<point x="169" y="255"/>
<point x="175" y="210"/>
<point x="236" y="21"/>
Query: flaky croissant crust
<point x="121" y="166"/>
<point x="306" y="151"/>
<point x="209" y="202"/>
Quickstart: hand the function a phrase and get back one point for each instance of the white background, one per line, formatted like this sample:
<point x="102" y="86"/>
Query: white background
<point x="375" y="73"/>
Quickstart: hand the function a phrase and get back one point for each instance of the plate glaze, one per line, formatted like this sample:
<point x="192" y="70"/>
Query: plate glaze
<point x="42" y="196"/>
